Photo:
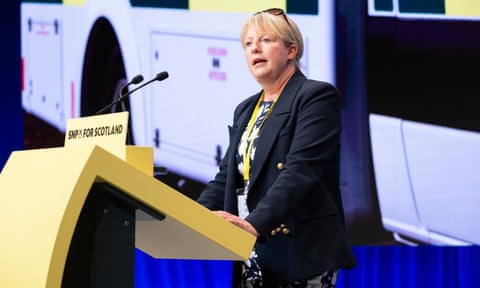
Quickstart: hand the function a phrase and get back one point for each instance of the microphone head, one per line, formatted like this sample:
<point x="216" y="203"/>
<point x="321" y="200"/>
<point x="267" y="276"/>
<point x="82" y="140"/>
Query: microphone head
<point x="161" y="76"/>
<point x="137" y="79"/>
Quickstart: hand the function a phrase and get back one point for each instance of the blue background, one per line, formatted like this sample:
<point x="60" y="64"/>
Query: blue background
<point x="378" y="266"/>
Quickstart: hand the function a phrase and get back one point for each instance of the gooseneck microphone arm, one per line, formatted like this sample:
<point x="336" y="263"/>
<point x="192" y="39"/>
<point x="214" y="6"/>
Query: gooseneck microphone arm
<point x="135" y="80"/>
<point x="159" y="77"/>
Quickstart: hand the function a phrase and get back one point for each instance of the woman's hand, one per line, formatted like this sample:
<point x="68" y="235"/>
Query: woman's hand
<point x="245" y="225"/>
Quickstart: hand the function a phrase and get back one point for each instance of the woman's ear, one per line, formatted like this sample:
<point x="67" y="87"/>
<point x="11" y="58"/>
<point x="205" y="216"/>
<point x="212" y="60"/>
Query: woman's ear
<point x="292" y="51"/>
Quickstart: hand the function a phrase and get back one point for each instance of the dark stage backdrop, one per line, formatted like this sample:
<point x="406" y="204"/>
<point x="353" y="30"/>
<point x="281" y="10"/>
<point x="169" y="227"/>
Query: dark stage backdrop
<point x="378" y="266"/>
<point x="10" y="104"/>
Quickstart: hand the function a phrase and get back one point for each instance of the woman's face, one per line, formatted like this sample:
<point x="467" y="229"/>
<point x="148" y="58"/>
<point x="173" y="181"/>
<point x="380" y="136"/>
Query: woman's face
<point x="267" y="55"/>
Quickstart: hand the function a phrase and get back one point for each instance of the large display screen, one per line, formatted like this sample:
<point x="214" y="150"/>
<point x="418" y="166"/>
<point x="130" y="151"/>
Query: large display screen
<point x="424" y="123"/>
<point x="420" y="65"/>
<point x="76" y="57"/>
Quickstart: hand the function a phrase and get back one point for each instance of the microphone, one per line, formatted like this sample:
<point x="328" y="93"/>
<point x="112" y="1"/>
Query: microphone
<point x="135" y="80"/>
<point x="159" y="77"/>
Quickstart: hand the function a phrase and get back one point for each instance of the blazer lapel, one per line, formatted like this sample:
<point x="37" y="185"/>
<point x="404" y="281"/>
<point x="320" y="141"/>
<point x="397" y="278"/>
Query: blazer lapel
<point x="275" y="123"/>
<point x="242" y="122"/>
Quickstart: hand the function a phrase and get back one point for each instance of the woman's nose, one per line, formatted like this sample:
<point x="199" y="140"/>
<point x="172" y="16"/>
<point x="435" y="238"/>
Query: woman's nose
<point x="255" y="48"/>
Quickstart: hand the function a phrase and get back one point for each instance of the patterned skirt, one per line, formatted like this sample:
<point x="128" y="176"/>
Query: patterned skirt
<point x="252" y="277"/>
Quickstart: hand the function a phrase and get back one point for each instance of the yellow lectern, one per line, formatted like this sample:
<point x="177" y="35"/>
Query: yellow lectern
<point x="73" y="216"/>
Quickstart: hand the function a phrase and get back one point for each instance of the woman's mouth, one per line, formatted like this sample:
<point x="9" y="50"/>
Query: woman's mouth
<point x="258" y="60"/>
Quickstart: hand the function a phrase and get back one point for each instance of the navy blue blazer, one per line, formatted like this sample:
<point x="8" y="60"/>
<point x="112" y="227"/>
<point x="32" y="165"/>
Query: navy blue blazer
<point x="294" y="198"/>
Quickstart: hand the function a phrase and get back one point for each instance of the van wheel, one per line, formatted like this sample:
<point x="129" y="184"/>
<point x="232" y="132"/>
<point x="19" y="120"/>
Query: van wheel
<point x="103" y="73"/>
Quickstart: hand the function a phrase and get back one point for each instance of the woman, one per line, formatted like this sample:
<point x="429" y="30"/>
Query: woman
<point x="279" y="179"/>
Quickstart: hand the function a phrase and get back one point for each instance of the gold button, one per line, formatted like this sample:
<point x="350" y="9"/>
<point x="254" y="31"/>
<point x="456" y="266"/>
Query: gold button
<point x="282" y="225"/>
<point x="273" y="232"/>
<point x="280" y="166"/>
<point x="285" y="231"/>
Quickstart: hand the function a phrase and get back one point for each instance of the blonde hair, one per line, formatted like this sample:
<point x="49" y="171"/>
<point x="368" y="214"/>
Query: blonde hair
<point x="280" y="25"/>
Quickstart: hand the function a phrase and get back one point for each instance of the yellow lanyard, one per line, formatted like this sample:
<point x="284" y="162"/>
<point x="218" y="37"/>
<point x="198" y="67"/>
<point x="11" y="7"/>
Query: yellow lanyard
<point x="247" y="147"/>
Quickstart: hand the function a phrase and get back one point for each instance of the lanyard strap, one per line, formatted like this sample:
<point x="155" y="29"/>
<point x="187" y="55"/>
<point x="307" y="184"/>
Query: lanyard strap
<point x="247" y="146"/>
